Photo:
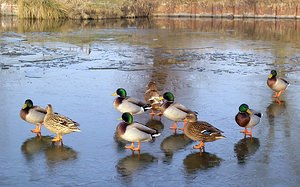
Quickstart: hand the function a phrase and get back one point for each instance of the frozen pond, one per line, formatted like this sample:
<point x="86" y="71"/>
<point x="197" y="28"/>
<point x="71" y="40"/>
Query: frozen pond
<point x="211" y="66"/>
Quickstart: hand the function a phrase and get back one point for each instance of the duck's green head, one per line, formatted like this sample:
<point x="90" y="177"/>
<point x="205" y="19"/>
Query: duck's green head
<point x="120" y="92"/>
<point x="28" y="104"/>
<point x="244" y="108"/>
<point x="127" y="117"/>
<point x="273" y="74"/>
<point x="168" y="96"/>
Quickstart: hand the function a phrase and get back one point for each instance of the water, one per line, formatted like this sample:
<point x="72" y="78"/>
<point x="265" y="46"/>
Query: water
<point x="211" y="66"/>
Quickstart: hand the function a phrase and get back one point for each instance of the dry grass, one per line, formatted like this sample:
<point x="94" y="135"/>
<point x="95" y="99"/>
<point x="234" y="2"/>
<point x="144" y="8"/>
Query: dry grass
<point x="98" y="9"/>
<point x="41" y="9"/>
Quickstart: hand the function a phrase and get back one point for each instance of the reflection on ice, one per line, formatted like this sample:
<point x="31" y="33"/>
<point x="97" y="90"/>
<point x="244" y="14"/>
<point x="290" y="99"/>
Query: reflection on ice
<point x="245" y="148"/>
<point x="196" y="161"/>
<point x="173" y="143"/>
<point x="53" y="153"/>
<point x="133" y="163"/>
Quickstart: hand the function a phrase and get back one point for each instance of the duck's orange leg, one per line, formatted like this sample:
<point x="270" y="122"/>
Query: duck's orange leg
<point x="57" y="139"/>
<point x="138" y="148"/>
<point x="130" y="147"/>
<point x="37" y="128"/>
<point x="152" y="113"/>
<point x="246" y="132"/>
<point x="184" y="123"/>
<point x="200" y="145"/>
<point x="279" y="93"/>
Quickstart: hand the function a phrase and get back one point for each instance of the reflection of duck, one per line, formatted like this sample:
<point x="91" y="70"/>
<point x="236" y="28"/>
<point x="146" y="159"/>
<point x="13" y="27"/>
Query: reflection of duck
<point x="245" y="148"/>
<point x="174" y="143"/>
<point x="155" y="124"/>
<point x="275" y="109"/>
<point x="125" y="103"/>
<point x="56" y="154"/>
<point x="195" y="162"/>
<point x="277" y="84"/>
<point x="34" y="115"/>
<point x="43" y="144"/>
<point x="247" y="118"/>
<point x="35" y="145"/>
<point x="130" y="164"/>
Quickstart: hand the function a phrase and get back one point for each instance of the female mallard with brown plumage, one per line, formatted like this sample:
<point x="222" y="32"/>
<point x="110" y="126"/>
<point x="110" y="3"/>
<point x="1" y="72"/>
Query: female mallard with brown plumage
<point x="134" y="132"/>
<point x="277" y="84"/>
<point x="59" y="124"/>
<point x="247" y="118"/>
<point x="125" y="103"/>
<point x="174" y="111"/>
<point x="153" y="97"/>
<point x="34" y="115"/>
<point x="201" y="131"/>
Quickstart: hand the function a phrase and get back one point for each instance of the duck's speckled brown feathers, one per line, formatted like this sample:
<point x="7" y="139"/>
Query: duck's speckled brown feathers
<point x="202" y="130"/>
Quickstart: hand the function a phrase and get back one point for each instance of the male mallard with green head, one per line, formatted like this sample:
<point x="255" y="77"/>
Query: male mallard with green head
<point x="125" y="103"/>
<point x="277" y="84"/>
<point x="153" y="97"/>
<point x="59" y="124"/>
<point x="174" y="111"/>
<point x="34" y="115"/>
<point x="134" y="132"/>
<point x="247" y="118"/>
<point x="201" y="131"/>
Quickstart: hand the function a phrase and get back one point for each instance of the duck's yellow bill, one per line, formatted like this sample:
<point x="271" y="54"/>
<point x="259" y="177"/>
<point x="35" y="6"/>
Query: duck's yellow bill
<point x="249" y="112"/>
<point x="161" y="98"/>
<point x="119" y="119"/>
<point x="24" y="106"/>
<point x="270" y="76"/>
<point x="114" y="94"/>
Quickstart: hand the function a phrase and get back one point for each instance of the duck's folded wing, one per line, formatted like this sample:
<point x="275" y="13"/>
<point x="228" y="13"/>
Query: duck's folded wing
<point x="40" y="109"/>
<point x="136" y="101"/>
<point x="182" y="108"/>
<point x="284" y="80"/>
<point x="143" y="128"/>
<point x="208" y="128"/>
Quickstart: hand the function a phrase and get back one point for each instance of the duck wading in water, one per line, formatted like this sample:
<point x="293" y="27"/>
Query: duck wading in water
<point x="125" y="103"/>
<point x="34" y="115"/>
<point x="277" y="84"/>
<point x="247" y="118"/>
<point x="134" y="132"/>
<point x="59" y="124"/>
<point x="174" y="111"/>
<point x="153" y="97"/>
<point x="201" y="131"/>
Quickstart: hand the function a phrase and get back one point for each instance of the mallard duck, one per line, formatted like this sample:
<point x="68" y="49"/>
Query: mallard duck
<point x="59" y="124"/>
<point x="277" y="84"/>
<point x="34" y="115"/>
<point x="201" y="131"/>
<point x="134" y="132"/>
<point x="173" y="111"/>
<point x="247" y="118"/>
<point x="125" y="103"/>
<point x="153" y="97"/>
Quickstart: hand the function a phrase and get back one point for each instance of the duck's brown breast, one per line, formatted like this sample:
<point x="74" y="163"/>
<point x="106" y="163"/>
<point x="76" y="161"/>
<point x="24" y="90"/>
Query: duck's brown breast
<point x="242" y="119"/>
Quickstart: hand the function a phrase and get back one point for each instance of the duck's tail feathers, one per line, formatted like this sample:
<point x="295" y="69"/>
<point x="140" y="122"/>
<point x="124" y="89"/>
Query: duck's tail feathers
<point x="147" y="107"/>
<point x="155" y="135"/>
<point x="258" y="114"/>
<point x="220" y="137"/>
